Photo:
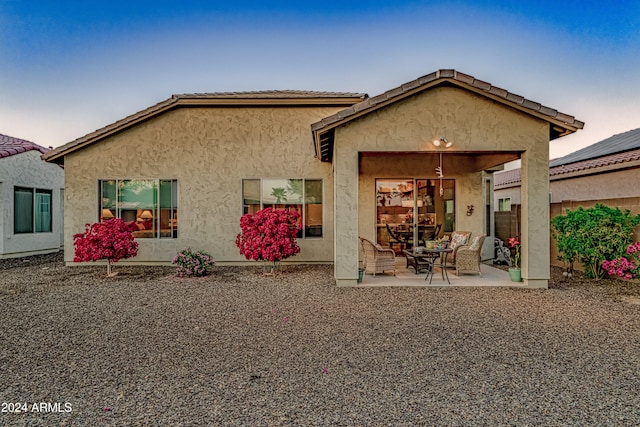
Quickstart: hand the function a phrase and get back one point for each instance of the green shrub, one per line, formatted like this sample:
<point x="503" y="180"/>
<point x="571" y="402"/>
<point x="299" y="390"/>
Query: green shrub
<point x="593" y="235"/>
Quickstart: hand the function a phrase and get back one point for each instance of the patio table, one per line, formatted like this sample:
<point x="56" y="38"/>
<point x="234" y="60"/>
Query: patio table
<point x="420" y="261"/>
<point x="428" y="256"/>
<point x="443" y="262"/>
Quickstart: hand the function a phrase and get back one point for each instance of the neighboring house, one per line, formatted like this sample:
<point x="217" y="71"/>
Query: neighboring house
<point x="506" y="186"/>
<point x="350" y="164"/>
<point x="606" y="172"/>
<point x="31" y="191"/>
<point x="609" y="169"/>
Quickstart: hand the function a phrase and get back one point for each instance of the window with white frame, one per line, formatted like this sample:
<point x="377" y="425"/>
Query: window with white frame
<point x="301" y="195"/>
<point x="31" y="210"/>
<point x="148" y="206"/>
<point x="504" y="204"/>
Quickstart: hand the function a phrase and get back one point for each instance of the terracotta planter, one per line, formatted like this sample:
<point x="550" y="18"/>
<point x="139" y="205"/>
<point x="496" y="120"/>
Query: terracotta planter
<point x="515" y="274"/>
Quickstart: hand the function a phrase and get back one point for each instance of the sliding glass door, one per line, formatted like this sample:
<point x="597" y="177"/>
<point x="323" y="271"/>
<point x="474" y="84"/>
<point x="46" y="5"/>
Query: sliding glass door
<point x="408" y="210"/>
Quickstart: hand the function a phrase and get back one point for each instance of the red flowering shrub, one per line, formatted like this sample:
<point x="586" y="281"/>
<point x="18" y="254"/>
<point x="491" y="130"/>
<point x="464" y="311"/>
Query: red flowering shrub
<point x="269" y="235"/>
<point x="111" y="240"/>
<point x="626" y="267"/>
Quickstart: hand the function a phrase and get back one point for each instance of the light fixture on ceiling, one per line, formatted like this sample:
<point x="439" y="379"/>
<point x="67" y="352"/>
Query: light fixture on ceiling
<point x="442" y="142"/>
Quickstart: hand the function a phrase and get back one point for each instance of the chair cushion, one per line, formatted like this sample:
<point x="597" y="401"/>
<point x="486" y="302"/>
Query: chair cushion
<point x="458" y="240"/>
<point x="475" y="243"/>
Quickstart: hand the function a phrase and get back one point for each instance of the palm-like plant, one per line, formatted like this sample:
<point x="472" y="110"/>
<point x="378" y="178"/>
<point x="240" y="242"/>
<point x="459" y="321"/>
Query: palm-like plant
<point x="280" y="194"/>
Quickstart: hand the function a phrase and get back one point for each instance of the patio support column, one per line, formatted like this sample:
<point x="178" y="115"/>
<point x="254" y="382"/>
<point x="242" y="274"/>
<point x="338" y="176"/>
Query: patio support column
<point x="534" y="233"/>
<point x="345" y="213"/>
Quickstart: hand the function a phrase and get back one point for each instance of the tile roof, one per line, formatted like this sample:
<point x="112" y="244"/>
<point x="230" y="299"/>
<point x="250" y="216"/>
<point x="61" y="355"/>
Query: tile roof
<point x="599" y="162"/>
<point x="507" y="178"/>
<point x="270" y="94"/>
<point x="620" y="160"/>
<point x="618" y="143"/>
<point x="10" y="146"/>
<point x="253" y="98"/>
<point x="568" y="123"/>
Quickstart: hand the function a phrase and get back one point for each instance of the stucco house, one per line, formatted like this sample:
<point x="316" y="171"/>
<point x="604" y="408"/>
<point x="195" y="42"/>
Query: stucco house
<point x="349" y="163"/>
<point x="31" y="193"/>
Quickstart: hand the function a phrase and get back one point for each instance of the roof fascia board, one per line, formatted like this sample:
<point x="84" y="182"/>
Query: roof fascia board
<point x="389" y="98"/>
<point x="177" y="101"/>
<point x="385" y="100"/>
<point x="57" y="155"/>
<point x="513" y="104"/>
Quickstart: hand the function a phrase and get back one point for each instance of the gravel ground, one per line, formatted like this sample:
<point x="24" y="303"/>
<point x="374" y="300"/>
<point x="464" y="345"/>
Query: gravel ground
<point x="239" y="348"/>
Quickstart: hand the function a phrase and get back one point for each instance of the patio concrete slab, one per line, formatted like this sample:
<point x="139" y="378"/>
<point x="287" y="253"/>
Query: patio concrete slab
<point x="491" y="277"/>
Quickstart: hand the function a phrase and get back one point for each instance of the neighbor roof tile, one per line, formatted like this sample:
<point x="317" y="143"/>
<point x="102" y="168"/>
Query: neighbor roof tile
<point x="10" y="146"/>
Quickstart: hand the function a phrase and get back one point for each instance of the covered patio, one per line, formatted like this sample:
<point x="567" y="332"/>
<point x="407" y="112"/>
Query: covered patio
<point x="446" y="123"/>
<point x="406" y="277"/>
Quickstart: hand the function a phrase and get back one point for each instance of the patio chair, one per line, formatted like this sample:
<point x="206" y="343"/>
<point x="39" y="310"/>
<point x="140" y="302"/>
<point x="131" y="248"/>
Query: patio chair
<point x="430" y="235"/>
<point x="395" y="239"/>
<point x="376" y="258"/>
<point x="457" y="239"/>
<point x="468" y="256"/>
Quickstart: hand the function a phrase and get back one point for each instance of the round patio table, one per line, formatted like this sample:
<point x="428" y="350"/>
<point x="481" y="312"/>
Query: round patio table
<point x="443" y="263"/>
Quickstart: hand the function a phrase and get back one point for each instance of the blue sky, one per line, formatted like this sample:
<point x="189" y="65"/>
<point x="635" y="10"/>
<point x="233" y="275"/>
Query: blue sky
<point x="70" y="67"/>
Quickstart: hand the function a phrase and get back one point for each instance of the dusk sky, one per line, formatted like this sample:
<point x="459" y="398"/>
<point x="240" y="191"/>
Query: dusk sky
<point x="71" y="67"/>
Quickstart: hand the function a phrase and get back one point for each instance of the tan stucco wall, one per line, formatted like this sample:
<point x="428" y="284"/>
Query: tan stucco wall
<point x="209" y="151"/>
<point x="29" y="170"/>
<point x="474" y="124"/>
<point x="607" y="184"/>
<point x="610" y="185"/>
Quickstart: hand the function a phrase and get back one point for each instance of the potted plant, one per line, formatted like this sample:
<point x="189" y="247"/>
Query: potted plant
<point x="515" y="274"/>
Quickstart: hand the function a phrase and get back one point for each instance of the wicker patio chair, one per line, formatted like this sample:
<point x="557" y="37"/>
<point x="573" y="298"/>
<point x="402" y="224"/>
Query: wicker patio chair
<point x="457" y="240"/>
<point x="376" y="258"/>
<point x="468" y="256"/>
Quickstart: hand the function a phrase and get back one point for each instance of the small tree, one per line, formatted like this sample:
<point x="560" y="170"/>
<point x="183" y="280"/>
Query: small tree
<point x="269" y="235"/>
<point x="593" y="235"/>
<point x="111" y="240"/>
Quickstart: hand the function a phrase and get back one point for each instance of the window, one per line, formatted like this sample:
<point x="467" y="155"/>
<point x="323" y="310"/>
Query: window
<point x="32" y="210"/>
<point x="301" y="195"/>
<point x="504" y="204"/>
<point x="148" y="206"/>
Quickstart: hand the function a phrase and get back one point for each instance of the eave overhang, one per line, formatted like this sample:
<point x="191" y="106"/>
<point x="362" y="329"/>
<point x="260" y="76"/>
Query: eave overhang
<point x="323" y="131"/>
<point x="286" y="98"/>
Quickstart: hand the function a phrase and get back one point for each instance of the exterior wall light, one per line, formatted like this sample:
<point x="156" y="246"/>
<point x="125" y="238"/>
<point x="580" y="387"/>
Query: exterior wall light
<point x="442" y="142"/>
